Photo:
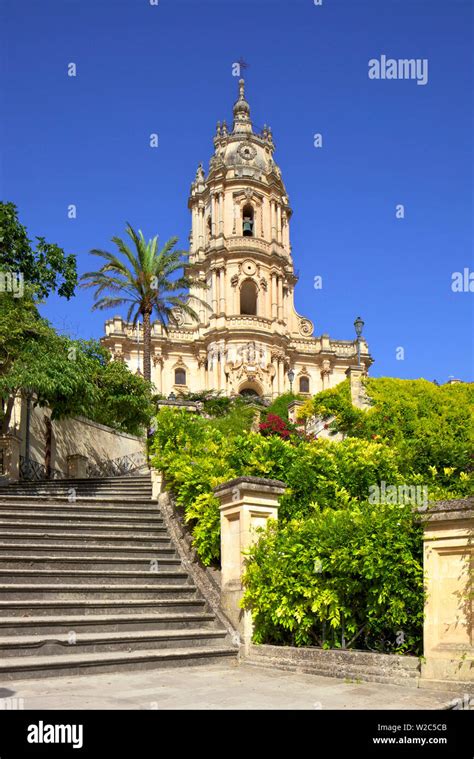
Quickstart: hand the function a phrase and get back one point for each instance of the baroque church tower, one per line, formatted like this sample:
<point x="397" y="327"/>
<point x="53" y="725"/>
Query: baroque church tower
<point x="249" y="334"/>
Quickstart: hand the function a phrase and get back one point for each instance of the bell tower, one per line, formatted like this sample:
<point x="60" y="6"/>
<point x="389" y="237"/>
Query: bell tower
<point x="248" y="334"/>
<point x="240" y="224"/>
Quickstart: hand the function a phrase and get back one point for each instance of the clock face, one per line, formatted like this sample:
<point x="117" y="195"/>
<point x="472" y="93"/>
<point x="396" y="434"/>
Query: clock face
<point x="247" y="151"/>
<point x="249" y="268"/>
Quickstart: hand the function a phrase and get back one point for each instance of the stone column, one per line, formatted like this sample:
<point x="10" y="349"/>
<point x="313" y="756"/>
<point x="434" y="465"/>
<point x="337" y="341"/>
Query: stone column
<point x="10" y="457"/>
<point x="221" y="213"/>
<point x="213" y="215"/>
<point x="281" y="375"/>
<point x="77" y="466"/>
<point x="278" y="223"/>
<point x="448" y="562"/>
<point x="215" y="368"/>
<point x="273" y="219"/>
<point x="201" y="226"/>
<point x="274" y="295"/>
<point x="214" y="291"/>
<point x="222" y="290"/>
<point x="280" y="298"/>
<point x="246" y="503"/>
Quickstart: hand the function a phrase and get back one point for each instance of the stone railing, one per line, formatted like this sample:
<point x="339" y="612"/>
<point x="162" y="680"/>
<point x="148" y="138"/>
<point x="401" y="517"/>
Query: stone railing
<point x="250" y="322"/>
<point x="344" y="347"/>
<point x="249" y="243"/>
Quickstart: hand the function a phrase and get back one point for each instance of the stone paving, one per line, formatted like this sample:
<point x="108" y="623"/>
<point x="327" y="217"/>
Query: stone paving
<point x="217" y="686"/>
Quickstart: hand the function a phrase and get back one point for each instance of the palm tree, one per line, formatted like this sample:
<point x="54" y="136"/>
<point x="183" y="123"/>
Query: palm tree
<point x="144" y="281"/>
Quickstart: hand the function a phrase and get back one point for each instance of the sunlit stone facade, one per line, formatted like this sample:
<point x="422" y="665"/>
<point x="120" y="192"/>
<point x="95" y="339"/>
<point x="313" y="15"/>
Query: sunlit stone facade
<point x="249" y="334"/>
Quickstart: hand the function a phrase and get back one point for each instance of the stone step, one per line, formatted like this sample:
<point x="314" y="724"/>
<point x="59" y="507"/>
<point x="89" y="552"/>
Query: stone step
<point x="25" y="592"/>
<point x="163" y="559"/>
<point x="145" y="510"/>
<point x="55" y="606"/>
<point x="350" y="673"/>
<point x="79" y="529"/>
<point x="63" y="624"/>
<point x="129" y="540"/>
<point x="77" y="643"/>
<point x="23" y="667"/>
<point x="82" y="490"/>
<point x="106" y="576"/>
<point x="67" y="517"/>
<point x="64" y="550"/>
<point x="78" y="499"/>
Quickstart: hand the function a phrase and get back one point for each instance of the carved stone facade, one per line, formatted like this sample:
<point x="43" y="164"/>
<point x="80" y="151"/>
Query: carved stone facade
<point x="249" y="334"/>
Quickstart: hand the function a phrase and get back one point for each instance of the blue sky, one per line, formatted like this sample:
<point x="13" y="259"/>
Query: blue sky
<point x="168" y="69"/>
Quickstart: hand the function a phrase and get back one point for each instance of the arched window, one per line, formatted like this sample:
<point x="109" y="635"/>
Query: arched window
<point x="304" y="384"/>
<point x="248" y="298"/>
<point x="179" y="377"/>
<point x="247" y="221"/>
<point x="209" y="227"/>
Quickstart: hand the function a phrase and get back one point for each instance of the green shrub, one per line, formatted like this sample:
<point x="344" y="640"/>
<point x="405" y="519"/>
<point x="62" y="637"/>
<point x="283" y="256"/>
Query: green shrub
<point x="350" y="577"/>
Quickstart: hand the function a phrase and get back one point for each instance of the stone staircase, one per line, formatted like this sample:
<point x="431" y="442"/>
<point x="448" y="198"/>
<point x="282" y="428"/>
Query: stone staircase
<point x="90" y="582"/>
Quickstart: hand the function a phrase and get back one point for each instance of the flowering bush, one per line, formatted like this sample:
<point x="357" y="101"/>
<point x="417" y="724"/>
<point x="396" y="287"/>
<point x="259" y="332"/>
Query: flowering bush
<point x="275" y="425"/>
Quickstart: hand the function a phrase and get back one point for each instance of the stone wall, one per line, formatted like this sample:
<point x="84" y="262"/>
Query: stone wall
<point x="356" y="666"/>
<point x="73" y="436"/>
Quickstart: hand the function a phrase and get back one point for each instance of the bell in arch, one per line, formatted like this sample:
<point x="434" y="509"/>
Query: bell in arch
<point x="248" y="227"/>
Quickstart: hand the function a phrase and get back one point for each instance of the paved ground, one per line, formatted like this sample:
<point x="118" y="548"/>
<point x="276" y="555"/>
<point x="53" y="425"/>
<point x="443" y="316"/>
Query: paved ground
<point x="219" y="686"/>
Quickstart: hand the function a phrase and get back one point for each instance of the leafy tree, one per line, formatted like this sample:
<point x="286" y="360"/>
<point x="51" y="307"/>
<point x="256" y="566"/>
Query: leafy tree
<point x="71" y="377"/>
<point x="279" y="406"/>
<point x="143" y="281"/>
<point x="426" y="424"/>
<point x="47" y="269"/>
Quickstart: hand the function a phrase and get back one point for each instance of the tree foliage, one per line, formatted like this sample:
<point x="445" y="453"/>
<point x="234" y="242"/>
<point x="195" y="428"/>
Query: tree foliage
<point x="146" y="280"/>
<point x="46" y="269"/>
<point x="72" y="377"/>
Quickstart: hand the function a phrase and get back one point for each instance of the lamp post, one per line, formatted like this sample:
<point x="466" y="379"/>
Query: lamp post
<point x="358" y="325"/>
<point x="291" y="376"/>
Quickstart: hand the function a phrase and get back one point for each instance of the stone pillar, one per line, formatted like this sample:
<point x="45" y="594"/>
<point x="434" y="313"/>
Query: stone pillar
<point x="274" y="295"/>
<point x="358" y="396"/>
<point x="214" y="291"/>
<point x="200" y="213"/>
<point x="9" y="457"/>
<point x="246" y="503"/>
<point x="213" y="215"/>
<point x="280" y="298"/>
<point x="281" y="375"/>
<point x="293" y="411"/>
<point x="156" y="484"/>
<point x="222" y="290"/>
<point x="448" y="562"/>
<point x="278" y="224"/>
<point x="221" y="213"/>
<point x="273" y="219"/>
<point x="77" y="466"/>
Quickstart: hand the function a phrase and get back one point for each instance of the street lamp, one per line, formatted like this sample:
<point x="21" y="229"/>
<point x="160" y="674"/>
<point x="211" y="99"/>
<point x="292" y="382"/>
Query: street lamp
<point x="291" y="376"/>
<point x="358" y="325"/>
